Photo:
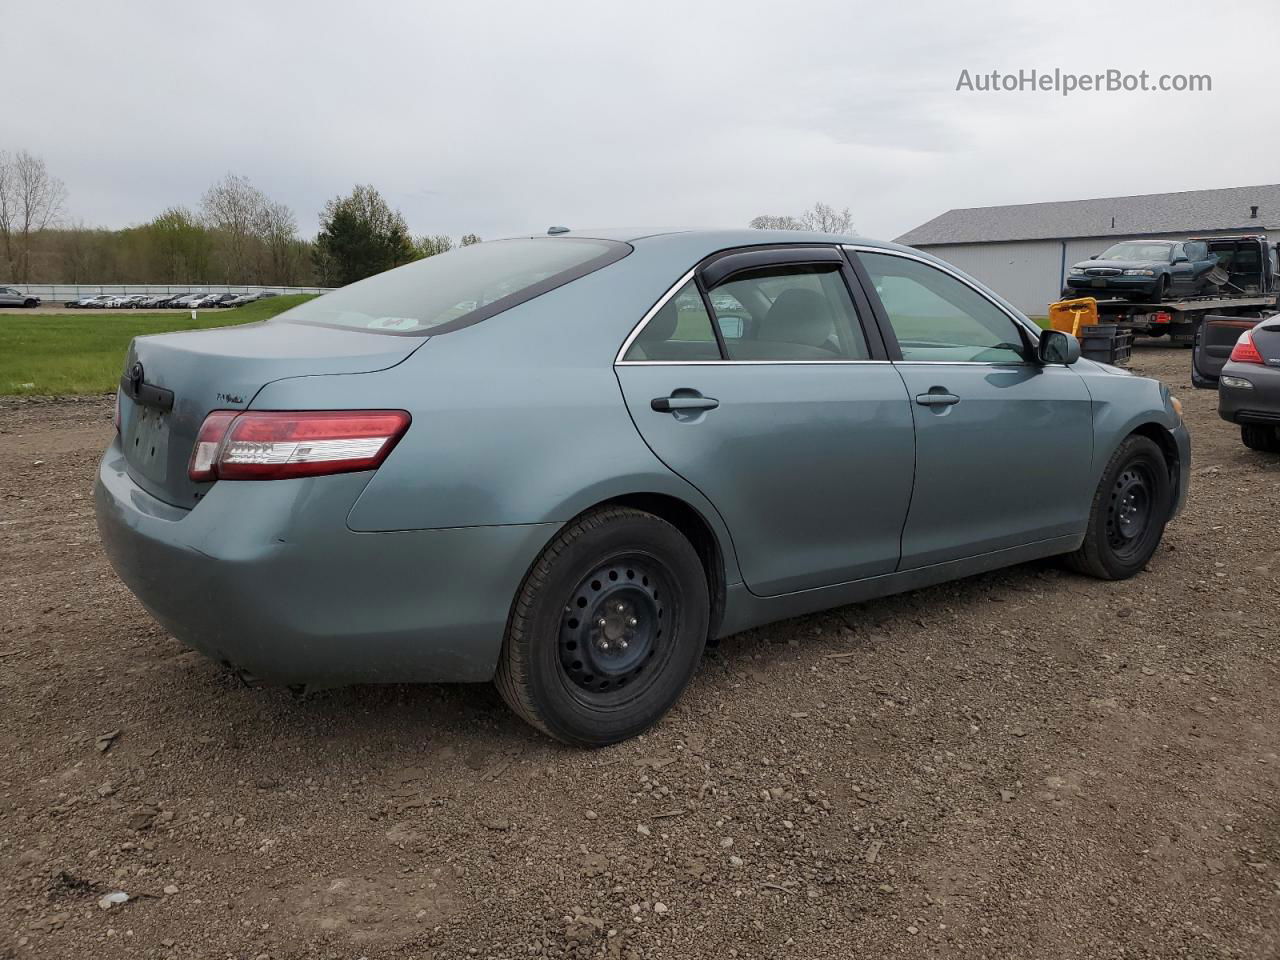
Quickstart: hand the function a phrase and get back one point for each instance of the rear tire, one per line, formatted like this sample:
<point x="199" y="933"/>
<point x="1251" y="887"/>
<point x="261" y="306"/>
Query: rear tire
<point x="1262" y="438"/>
<point x="607" y="629"/>
<point x="1129" y="513"/>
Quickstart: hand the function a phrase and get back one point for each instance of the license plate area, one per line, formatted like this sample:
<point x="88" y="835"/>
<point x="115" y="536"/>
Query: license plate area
<point x="147" y="443"/>
<point x="1098" y="282"/>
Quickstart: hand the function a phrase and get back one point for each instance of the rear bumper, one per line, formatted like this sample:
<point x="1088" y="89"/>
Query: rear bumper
<point x="1259" y="404"/>
<point x="266" y="577"/>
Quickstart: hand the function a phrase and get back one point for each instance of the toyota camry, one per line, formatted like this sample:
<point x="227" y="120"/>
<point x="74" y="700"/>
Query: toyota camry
<point x="567" y="463"/>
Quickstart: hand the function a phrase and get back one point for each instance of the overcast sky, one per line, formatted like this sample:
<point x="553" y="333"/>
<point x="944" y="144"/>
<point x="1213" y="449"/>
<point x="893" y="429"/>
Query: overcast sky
<point x="501" y="118"/>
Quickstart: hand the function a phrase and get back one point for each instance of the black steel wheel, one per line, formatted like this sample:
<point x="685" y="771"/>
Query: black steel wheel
<point x="607" y="629"/>
<point x="1130" y="509"/>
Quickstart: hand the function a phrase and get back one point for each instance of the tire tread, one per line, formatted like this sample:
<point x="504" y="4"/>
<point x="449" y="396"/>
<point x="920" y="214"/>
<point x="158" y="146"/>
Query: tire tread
<point x="511" y="677"/>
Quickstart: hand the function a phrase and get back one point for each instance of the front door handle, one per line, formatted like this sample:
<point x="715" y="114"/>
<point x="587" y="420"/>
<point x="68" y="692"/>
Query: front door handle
<point x="937" y="399"/>
<point x="683" y="401"/>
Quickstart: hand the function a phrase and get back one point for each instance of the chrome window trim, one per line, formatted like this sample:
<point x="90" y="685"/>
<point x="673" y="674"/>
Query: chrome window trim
<point x="644" y="321"/>
<point x="741" y="363"/>
<point x="618" y="360"/>
<point x="954" y="274"/>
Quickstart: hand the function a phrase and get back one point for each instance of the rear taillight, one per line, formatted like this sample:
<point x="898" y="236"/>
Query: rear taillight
<point x="275" y="445"/>
<point x="1244" y="351"/>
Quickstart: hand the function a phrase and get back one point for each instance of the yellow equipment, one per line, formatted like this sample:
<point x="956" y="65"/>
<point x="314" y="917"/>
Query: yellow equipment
<point x="1070" y="315"/>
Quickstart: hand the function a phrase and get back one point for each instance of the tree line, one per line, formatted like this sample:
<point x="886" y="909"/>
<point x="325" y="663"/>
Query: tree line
<point x="235" y="235"/>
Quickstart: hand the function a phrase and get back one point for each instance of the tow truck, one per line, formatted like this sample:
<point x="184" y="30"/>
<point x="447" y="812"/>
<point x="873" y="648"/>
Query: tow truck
<point x="1246" y="283"/>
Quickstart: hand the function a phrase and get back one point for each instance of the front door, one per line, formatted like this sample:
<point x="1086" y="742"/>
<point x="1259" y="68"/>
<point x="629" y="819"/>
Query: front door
<point x="1004" y="445"/>
<point x="784" y="413"/>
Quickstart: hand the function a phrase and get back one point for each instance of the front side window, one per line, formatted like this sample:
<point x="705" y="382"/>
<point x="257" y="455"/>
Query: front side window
<point x="937" y="317"/>
<point x="794" y="312"/>
<point x="680" y="330"/>
<point x="452" y="289"/>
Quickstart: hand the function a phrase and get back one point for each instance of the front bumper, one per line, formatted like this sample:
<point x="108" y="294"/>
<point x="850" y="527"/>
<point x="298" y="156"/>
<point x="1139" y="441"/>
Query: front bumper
<point x="1182" y="439"/>
<point x="1259" y="404"/>
<point x="1124" y="286"/>
<point x="266" y="577"/>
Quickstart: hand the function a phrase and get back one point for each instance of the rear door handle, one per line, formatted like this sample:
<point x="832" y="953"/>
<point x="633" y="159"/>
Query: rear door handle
<point x="678" y="402"/>
<point x="936" y="399"/>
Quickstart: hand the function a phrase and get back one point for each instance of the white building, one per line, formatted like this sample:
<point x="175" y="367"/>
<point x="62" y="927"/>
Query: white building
<point x="1023" y="251"/>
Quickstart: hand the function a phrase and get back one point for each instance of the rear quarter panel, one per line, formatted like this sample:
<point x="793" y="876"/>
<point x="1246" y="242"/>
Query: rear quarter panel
<point x="518" y="419"/>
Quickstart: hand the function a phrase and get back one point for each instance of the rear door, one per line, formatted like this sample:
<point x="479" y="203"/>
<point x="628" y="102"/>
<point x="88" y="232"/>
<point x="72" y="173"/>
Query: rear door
<point x="1214" y="342"/>
<point x="761" y="379"/>
<point x="1004" y="446"/>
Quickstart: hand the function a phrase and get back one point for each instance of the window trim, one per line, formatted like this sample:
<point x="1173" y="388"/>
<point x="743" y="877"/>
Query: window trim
<point x="1029" y="332"/>
<point x="792" y="255"/>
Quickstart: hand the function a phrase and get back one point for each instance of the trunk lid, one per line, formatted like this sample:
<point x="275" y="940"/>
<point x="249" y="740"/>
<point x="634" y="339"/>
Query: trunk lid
<point x="171" y="382"/>
<point x="1266" y="337"/>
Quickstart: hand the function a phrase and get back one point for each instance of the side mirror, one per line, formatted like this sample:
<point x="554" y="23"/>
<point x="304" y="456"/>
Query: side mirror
<point x="1057" y="347"/>
<point x="1094" y="257"/>
<point x="1181" y="260"/>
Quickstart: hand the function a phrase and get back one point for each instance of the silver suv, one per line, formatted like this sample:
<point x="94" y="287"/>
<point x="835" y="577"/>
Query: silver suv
<point x="12" y="297"/>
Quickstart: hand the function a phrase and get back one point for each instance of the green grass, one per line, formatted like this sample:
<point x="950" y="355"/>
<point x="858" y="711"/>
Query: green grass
<point x="83" y="352"/>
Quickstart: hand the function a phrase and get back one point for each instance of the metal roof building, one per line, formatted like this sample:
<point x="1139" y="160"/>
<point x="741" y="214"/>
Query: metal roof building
<point x="1024" y="250"/>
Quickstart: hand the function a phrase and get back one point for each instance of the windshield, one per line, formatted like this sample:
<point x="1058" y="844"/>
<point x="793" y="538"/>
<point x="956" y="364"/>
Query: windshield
<point x="454" y="289"/>
<point x="1137" y="251"/>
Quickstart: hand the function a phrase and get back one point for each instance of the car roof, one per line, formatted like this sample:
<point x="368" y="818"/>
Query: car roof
<point x="712" y="240"/>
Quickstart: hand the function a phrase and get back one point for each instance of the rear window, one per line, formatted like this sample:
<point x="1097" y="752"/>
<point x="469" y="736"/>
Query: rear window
<point x="461" y="287"/>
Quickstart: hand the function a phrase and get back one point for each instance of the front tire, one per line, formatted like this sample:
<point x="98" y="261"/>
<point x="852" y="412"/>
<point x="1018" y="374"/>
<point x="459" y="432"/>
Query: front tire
<point x="1262" y="438"/>
<point x="1130" y="509"/>
<point x="607" y="629"/>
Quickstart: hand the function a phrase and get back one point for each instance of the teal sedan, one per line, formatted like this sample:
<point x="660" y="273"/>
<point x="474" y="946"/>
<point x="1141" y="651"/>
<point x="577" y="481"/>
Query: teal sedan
<point x="567" y="463"/>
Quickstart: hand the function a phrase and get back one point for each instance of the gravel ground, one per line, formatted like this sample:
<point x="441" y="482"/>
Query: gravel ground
<point x="1025" y="764"/>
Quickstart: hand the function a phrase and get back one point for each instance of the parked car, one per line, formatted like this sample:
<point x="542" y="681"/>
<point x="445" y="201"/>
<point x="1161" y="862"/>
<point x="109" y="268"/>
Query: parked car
<point x="1150" y="270"/>
<point x="572" y="488"/>
<point x="1249" y="386"/>
<point x="13" y="297"/>
<point x="88" y="303"/>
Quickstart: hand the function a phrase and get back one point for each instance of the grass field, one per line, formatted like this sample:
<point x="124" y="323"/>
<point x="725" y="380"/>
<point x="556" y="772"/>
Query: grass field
<point x="83" y="354"/>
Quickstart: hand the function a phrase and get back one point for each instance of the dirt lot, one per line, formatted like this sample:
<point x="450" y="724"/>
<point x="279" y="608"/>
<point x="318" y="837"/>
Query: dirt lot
<point x="1026" y="764"/>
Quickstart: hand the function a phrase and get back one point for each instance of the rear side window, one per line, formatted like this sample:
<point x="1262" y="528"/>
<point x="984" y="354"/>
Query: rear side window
<point x="788" y="313"/>
<point x="680" y="330"/>
<point x="458" y="288"/>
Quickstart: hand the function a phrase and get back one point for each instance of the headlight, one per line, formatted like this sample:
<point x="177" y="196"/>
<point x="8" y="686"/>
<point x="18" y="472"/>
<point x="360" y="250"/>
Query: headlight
<point x="1077" y="272"/>
<point x="1139" y="273"/>
<point x="1240" y="383"/>
<point x="1176" y="404"/>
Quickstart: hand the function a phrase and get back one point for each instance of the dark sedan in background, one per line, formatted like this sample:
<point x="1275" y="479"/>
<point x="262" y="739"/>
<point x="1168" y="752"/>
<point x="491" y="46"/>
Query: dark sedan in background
<point x="1249" y="386"/>
<point x="1151" y="270"/>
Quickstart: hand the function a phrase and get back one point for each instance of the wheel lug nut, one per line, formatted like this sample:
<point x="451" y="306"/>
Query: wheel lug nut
<point x="619" y="608"/>
<point x="632" y="621"/>
<point x="622" y="644"/>
<point x="604" y="644"/>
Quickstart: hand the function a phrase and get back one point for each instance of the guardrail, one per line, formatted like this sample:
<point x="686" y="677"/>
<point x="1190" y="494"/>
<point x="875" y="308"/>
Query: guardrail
<point x="58" y="292"/>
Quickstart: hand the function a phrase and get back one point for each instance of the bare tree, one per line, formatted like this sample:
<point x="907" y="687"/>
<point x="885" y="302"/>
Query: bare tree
<point x="430" y="245"/>
<point x="278" y="229"/>
<point x="771" y="222"/>
<point x="820" y="217"/>
<point x="30" y="201"/>
<point x="825" y="219"/>
<point x="236" y="209"/>
<point x="468" y="239"/>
